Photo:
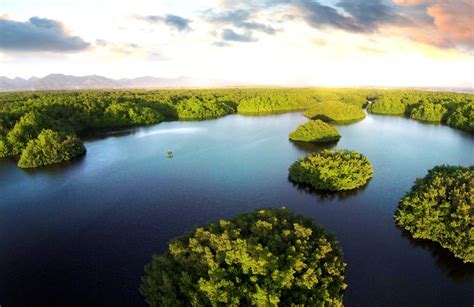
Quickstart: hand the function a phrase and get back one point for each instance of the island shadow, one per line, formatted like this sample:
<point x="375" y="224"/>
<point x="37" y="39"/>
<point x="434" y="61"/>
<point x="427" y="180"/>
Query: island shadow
<point x="452" y="266"/>
<point x="309" y="147"/>
<point x="328" y="195"/>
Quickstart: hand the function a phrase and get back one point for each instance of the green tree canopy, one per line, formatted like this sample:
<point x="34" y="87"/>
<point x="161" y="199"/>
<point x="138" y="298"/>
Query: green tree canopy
<point x="315" y="131"/>
<point x="440" y="207"/>
<point x="429" y="112"/>
<point x="263" y="258"/>
<point x="50" y="147"/>
<point x="332" y="170"/>
<point x="335" y="111"/>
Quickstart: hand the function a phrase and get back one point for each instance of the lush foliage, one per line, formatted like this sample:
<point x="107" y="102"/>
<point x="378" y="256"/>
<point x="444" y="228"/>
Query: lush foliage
<point x="315" y="131"/>
<point x="50" y="147"/>
<point x="440" y="207"/>
<point x="335" y="111"/>
<point x="263" y="258"/>
<point x="427" y="111"/>
<point x="332" y="170"/>
<point x="195" y="108"/>
<point x="23" y="115"/>
<point x="454" y="109"/>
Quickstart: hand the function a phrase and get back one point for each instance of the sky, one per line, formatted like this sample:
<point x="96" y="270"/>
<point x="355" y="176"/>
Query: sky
<point x="261" y="42"/>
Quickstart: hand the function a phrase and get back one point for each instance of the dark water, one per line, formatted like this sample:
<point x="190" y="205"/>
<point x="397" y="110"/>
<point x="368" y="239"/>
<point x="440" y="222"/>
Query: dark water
<point x="80" y="234"/>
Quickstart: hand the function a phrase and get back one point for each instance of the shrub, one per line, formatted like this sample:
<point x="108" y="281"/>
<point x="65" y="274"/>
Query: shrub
<point x="315" y="131"/>
<point x="440" y="208"/>
<point x="332" y="170"/>
<point x="263" y="258"/>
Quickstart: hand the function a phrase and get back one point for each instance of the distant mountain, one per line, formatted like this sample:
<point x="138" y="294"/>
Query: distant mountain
<point x="66" y="82"/>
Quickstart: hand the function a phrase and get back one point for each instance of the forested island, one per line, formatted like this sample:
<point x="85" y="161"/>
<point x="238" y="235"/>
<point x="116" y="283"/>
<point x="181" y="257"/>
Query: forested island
<point x="332" y="170"/>
<point x="315" y="131"/>
<point x="335" y="112"/>
<point x="262" y="258"/>
<point x="439" y="207"/>
<point x="72" y="114"/>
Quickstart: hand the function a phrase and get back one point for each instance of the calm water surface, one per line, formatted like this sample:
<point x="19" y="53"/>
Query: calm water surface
<point x="79" y="234"/>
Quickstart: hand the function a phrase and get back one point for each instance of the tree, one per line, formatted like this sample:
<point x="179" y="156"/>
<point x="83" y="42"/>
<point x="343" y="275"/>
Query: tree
<point x="262" y="258"/>
<point x="427" y="111"/>
<point x="315" y="131"/>
<point x="440" y="208"/>
<point x="335" y="112"/>
<point x="332" y="170"/>
<point x="50" y="147"/>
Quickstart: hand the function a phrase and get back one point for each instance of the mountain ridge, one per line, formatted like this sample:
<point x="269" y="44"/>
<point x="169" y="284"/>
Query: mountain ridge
<point x="70" y="82"/>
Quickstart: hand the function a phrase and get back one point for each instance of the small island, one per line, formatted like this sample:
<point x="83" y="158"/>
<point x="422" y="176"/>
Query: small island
<point x="261" y="258"/>
<point x="315" y="131"/>
<point x="335" y="112"/>
<point x="332" y="170"/>
<point x="439" y="207"/>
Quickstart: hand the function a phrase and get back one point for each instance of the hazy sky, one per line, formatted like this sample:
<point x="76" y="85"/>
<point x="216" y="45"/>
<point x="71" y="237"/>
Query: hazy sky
<point x="285" y="42"/>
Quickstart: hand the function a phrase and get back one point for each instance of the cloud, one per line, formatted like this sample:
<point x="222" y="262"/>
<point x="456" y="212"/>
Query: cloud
<point x="444" y="24"/>
<point x="454" y="22"/>
<point x="38" y="35"/>
<point x="220" y="44"/>
<point x="369" y="15"/>
<point x="173" y="21"/>
<point x="238" y="18"/>
<point x="412" y="2"/>
<point x="230" y="35"/>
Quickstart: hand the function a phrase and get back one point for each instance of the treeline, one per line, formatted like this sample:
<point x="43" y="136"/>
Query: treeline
<point x="453" y="109"/>
<point x="24" y="115"/>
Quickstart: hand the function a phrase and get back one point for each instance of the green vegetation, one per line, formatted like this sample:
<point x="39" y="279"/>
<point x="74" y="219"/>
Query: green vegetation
<point x="195" y="108"/>
<point x="429" y="112"/>
<point x="23" y="115"/>
<point x="440" y="207"/>
<point x="315" y="131"/>
<point x="335" y="112"/>
<point x="50" y="147"/>
<point x="263" y="258"/>
<point x="332" y="170"/>
<point x="453" y="109"/>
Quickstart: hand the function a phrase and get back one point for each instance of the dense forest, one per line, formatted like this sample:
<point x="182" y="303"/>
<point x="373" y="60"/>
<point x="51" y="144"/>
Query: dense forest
<point x="335" y="112"/>
<point x="315" y="131"/>
<point x="440" y="207"/>
<point x="332" y="170"/>
<point x="453" y="109"/>
<point x="25" y="115"/>
<point x="261" y="258"/>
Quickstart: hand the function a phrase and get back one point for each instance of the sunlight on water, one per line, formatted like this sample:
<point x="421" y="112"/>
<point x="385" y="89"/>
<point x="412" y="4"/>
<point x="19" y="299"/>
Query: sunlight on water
<point x="187" y="130"/>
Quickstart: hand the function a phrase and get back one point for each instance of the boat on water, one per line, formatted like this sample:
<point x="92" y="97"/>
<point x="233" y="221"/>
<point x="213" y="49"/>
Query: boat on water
<point x="169" y="154"/>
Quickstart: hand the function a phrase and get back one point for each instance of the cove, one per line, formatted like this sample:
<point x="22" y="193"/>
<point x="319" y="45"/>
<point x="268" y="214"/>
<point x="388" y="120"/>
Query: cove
<point x="80" y="233"/>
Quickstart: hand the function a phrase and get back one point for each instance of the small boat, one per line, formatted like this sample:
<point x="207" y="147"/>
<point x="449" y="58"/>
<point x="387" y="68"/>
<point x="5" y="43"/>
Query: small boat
<point x="169" y="154"/>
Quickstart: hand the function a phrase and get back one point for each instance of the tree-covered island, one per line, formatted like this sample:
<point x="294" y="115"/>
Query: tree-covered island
<point x="440" y="207"/>
<point x="315" y="131"/>
<point x="263" y="258"/>
<point x="335" y="112"/>
<point x="332" y="170"/>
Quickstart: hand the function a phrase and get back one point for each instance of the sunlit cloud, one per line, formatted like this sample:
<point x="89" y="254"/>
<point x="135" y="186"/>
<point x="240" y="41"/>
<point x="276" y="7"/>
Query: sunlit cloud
<point x="282" y="42"/>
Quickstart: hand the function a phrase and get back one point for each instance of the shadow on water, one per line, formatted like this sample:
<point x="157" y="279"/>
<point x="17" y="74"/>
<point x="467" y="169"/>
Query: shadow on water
<point x="452" y="266"/>
<point x="104" y="133"/>
<point x="313" y="147"/>
<point x="328" y="195"/>
<point x="56" y="169"/>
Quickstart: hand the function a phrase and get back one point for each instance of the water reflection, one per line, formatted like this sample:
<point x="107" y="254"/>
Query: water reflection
<point x="328" y="195"/>
<point x="452" y="266"/>
<point x="313" y="147"/>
